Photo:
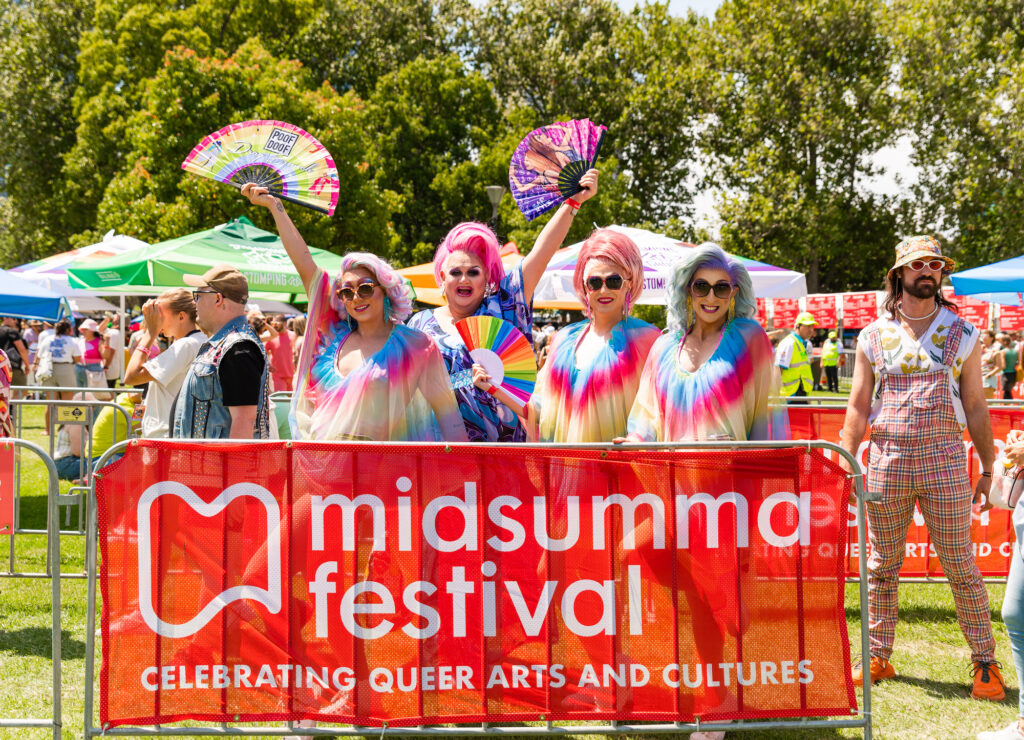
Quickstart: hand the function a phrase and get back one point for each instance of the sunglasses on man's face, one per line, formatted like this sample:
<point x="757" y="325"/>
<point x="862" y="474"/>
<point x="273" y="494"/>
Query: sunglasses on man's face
<point x="594" y="282"/>
<point x="363" y="290"/>
<point x="918" y="265"/>
<point x="701" y="288"/>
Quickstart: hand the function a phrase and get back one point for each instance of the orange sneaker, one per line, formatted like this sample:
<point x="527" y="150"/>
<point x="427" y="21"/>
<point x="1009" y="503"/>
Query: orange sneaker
<point x="988" y="681"/>
<point x="880" y="670"/>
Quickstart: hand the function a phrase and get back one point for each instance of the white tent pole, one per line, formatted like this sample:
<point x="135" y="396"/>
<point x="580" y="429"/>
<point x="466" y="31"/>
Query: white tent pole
<point x="124" y="339"/>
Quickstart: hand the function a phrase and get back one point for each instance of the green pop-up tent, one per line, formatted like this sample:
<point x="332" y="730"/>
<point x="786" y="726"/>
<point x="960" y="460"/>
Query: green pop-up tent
<point x="258" y="254"/>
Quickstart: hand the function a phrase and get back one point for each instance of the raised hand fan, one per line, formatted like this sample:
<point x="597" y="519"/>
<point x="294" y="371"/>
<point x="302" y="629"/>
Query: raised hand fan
<point x="281" y="157"/>
<point x="503" y="351"/>
<point x="547" y="165"/>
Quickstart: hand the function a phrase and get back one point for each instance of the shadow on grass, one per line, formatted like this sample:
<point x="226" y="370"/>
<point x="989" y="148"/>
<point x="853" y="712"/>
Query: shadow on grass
<point x="36" y="641"/>
<point x="946" y="689"/>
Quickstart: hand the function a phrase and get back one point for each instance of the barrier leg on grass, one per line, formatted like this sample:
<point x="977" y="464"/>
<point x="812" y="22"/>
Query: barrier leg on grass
<point x="53" y="556"/>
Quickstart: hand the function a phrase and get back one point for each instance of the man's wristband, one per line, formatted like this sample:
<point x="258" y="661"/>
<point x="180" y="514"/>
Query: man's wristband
<point x="573" y="204"/>
<point x="987" y="474"/>
<point x="493" y="390"/>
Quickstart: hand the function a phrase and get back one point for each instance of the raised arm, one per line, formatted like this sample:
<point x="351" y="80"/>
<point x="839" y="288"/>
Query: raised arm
<point x="293" y="242"/>
<point x="135" y="373"/>
<point x="553" y="234"/>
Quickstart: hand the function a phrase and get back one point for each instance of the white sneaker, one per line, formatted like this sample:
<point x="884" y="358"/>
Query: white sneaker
<point x="1010" y="732"/>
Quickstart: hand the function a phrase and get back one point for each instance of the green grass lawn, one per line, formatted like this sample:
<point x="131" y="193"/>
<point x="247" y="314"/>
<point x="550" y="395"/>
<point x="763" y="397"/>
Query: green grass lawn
<point x="930" y="699"/>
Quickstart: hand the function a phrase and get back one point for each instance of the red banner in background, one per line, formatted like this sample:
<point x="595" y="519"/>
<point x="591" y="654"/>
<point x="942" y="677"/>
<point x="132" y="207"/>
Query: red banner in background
<point x="970" y="309"/>
<point x="762" y="312"/>
<point x="992" y="530"/>
<point x="365" y="584"/>
<point x="823" y="307"/>
<point x="1011" y="318"/>
<point x="859" y="309"/>
<point x="784" y="312"/>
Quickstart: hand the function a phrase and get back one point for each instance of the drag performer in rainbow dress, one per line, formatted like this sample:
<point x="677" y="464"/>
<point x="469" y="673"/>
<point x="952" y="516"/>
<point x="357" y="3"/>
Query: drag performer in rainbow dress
<point x="472" y="279"/>
<point x="710" y="377"/>
<point x="586" y="388"/>
<point x="363" y="375"/>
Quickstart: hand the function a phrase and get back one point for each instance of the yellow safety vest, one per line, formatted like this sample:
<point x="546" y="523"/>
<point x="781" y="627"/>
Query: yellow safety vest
<point x="830" y="353"/>
<point x="799" y="370"/>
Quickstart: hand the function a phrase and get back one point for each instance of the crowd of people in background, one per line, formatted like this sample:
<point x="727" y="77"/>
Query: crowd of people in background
<point x="361" y="366"/>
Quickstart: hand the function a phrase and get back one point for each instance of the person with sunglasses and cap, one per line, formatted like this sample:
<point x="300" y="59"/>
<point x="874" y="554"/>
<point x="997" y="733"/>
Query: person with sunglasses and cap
<point x="793" y="359"/>
<point x="362" y="375"/>
<point x="226" y="393"/>
<point x="917" y="381"/>
<point x="586" y="387"/>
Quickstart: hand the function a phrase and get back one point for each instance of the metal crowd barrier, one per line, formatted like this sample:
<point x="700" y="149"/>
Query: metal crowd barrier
<point x="53" y="573"/>
<point x="78" y="413"/>
<point x="486" y="729"/>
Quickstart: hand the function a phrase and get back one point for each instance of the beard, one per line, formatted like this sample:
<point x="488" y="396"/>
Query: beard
<point x="922" y="288"/>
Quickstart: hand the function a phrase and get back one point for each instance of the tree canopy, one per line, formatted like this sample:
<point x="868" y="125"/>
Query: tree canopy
<point x="785" y="110"/>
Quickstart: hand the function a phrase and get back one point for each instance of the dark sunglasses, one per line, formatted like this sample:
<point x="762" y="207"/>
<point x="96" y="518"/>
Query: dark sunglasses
<point x="594" y="282"/>
<point x="363" y="290"/>
<point x="197" y="293"/>
<point x="701" y="288"/>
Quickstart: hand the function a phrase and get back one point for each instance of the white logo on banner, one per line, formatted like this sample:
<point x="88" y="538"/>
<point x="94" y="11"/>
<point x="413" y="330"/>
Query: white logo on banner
<point x="269" y="597"/>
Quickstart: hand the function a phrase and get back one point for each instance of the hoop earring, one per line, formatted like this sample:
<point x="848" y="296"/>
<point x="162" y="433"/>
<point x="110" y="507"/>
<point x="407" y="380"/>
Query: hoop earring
<point x="732" y="309"/>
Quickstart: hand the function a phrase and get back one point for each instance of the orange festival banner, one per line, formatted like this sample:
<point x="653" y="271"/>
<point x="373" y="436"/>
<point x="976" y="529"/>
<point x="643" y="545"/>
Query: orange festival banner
<point x="423" y="584"/>
<point x="992" y="530"/>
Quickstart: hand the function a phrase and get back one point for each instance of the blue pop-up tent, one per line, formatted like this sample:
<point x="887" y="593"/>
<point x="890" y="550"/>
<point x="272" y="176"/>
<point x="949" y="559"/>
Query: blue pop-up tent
<point x="26" y="300"/>
<point x="1000" y="282"/>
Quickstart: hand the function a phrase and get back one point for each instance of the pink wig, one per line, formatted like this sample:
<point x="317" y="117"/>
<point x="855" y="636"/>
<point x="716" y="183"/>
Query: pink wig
<point x="395" y="287"/>
<point x="617" y="249"/>
<point x="476" y="239"/>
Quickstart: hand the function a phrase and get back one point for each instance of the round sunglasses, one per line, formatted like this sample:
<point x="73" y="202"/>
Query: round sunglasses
<point x="701" y="288"/>
<point x="594" y="282"/>
<point x="363" y="290"/>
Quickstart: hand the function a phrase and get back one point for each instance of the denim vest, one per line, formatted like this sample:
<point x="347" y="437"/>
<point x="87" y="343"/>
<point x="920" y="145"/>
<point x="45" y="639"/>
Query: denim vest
<point x="200" y="412"/>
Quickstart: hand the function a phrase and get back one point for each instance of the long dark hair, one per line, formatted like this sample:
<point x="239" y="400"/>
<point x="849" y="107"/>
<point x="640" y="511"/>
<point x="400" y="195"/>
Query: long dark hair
<point x="894" y="293"/>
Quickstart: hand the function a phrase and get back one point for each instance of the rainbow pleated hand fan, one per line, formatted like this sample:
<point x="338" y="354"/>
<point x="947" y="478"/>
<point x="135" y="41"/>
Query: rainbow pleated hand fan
<point x="281" y="157"/>
<point x="547" y="165"/>
<point x="503" y="351"/>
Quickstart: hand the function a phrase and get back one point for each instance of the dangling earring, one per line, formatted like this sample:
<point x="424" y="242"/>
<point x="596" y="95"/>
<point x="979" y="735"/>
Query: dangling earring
<point x="625" y="305"/>
<point x="387" y="308"/>
<point x="732" y="309"/>
<point x="352" y="325"/>
<point x="586" y="307"/>
<point x="488" y="291"/>
<point x="689" y="312"/>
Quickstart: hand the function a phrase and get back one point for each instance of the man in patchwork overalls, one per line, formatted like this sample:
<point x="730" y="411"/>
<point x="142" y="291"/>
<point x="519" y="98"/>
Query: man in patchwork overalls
<point x="917" y="380"/>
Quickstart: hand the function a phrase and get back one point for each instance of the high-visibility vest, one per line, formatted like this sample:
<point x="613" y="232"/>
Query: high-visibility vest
<point x="799" y="370"/>
<point x="830" y="353"/>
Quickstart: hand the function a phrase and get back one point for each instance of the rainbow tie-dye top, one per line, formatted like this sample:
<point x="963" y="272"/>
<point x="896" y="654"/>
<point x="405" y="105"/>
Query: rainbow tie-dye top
<point x="402" y="392"/>
<point x="726" y="398"/>
<point x="589" y="404"/>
